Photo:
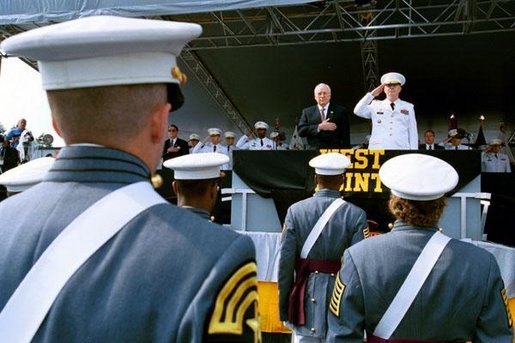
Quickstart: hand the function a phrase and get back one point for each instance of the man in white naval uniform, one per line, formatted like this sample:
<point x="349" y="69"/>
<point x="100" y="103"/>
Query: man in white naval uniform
<point x="493" y="160"/>
<point x="393" y="120"/>
<point x="229" y="148"/>
<point x="453" y="142"/>
<point x="261" y="142"/>
<point x="212" y="143"/>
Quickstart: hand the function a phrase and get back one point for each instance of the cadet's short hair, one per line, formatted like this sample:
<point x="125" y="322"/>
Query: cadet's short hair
<point x="330" y="181"/>
<point x="417" y="213"/>
<point x="195" y="188"/>
<point x="107" y="111"/>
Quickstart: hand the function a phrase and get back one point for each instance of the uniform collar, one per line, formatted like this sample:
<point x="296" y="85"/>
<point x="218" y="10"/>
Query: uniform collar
<point x="399" y="226"/>
<point x="81" y="163"/>
<point x="327" y="193"/>
<point x="198" y="211"/>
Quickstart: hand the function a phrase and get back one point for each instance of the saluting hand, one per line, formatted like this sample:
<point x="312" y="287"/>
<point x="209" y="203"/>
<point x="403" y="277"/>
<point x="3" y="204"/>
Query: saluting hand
<point x="378" y="90"/>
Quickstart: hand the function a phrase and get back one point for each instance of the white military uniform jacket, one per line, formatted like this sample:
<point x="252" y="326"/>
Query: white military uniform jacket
<point x="449" y="146"/>
<point x="391" y="129"/>
<point x="210" y="147"/>
<point x="245" y="143"/>
<point x="495" y="163"/>
<point x="228" y="151"/>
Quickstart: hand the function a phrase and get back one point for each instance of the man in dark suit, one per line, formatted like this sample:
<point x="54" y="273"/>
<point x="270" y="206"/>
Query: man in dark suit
<point x="429" y="137"/>
<point x="174" y="146"/>
<point x="325" y="125"/>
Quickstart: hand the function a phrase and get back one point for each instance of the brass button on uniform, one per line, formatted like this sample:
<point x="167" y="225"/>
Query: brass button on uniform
<point x="332" y="274"/>
<point x="312" y="300"/>
<point x="316" y="271"/>
<point x="313" y="330"/>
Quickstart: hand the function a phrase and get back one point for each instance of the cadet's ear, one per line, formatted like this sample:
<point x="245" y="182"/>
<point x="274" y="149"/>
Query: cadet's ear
<point x="158" y="122"/>
<point x="56" y="127"/>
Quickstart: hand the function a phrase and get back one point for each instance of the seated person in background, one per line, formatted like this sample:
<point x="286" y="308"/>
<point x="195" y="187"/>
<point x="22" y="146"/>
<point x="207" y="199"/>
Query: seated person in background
<point x="197" y="181"/>
<point x="453" y="142"/>
<point x="212" y="143"/>
<point x="429" y="137"/>
<point x="9" y="157"/>
<point x="14" y="133"/>
<point x="174" y="146"/>
<point x="493" y="160"/>
<point x="261" y="142"/>
<point x="278" y="138"/>
<point x="193" y="141"/>
<point x="423" y="285"/>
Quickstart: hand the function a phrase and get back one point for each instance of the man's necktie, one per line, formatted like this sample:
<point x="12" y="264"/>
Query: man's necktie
<point x="392" y="105"/>
<point x="429" y="147"/>
<point x="214" y="148"/>
<point x="261" y="142"/>
<point x="495" y="155"/>
<point x="322" y="114"/>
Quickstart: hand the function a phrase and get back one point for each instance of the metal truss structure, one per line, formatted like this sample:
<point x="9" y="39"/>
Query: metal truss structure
<point x="346" y="21"/>
<point x="191" y="60"/>
<point x="365" y="21"/>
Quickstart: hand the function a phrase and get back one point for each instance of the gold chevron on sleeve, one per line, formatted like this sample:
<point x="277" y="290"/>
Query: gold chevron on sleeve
<point x="504" y="297"/>
<point x="334" y="305"/>
<point x="366" y="232"/>
<point x="233" y="300"/>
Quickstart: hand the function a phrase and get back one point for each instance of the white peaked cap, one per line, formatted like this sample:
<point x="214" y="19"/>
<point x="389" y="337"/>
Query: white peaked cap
<point x="26" y="175"/>
<point x="197" y="166"/>
<point x="214" y="131"/>
<point x="261" y="125"/>
<point x="230" y="134"/>
<point x="418" y="177"/>
<point x="390" y="78"/>
<point x="105" y="51"/>
<point x="194" y="136"/>
<point x="330" y="164"/>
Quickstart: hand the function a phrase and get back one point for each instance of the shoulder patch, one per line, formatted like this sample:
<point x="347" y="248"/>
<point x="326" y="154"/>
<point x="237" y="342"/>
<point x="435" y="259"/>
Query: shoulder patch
<point x="339" y="288"/>
<point x="366" y="232"/>
<point x="504" y="297"/>
<point x="239" y="294"/>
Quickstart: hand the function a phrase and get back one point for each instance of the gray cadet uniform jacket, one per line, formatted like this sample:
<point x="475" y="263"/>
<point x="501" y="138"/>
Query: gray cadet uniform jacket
<point x="347" y="226"/>
<point x="461" y="300"/>
<point x="167" y="276"/>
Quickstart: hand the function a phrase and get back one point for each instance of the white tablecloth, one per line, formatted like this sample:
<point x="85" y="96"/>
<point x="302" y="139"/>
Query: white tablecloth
<point x="505" y="257"/>
<point x="267" y="253"/>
